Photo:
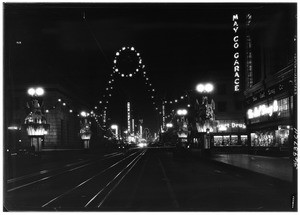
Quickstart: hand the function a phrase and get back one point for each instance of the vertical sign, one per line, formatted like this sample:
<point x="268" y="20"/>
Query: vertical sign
<point x="128" y="117"/>
<point x="249" y="67"/>
<point x="163" y="115"/>
<point x="236" y="55"/>
<point x="104" y="118"/>
<point x="132" y="125"/>
<point x="141" y="131"/>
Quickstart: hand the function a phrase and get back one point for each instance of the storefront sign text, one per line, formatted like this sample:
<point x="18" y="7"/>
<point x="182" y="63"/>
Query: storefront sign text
<point x="262" y="110"/>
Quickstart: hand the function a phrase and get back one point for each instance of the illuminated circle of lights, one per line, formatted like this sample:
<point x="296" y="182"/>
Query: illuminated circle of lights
<point x="125" y="70"/>
<point x="131" y="56"/>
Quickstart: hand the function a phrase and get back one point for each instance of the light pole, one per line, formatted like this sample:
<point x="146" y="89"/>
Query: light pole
<point x="206" y="114"/>
<point x="85" y="129"/>
<point x="35" y="122"/>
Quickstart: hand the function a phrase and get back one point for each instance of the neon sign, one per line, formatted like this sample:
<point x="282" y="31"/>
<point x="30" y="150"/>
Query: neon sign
<point x="236" y="55"/>
<point x="262" y="110"/>
<point x="128" y="116"/>
<point x="224" y="127"/>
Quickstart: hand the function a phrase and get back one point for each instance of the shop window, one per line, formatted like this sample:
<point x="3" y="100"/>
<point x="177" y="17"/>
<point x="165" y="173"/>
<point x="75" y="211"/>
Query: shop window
<point x="283" y="104"/>
<point x="282" y="137"/>
<point x="234" y="140"/>
<point x="218" y="140"/>
<point x="263" y="139"/>
<point x="244" y="139"/>
<point x="222" y="106"/>
<point x="222" y="140"/>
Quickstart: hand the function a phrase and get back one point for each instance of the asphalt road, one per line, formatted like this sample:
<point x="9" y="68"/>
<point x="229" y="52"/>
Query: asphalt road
<point x="148" y="179"/>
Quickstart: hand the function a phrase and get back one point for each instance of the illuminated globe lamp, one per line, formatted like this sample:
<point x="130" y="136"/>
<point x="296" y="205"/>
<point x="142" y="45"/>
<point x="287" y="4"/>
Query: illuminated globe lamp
<point x="85" y="129"/>
<point x="205" y="88"/>
<point x="35" y="123"/>
<point x="181" y="112"/>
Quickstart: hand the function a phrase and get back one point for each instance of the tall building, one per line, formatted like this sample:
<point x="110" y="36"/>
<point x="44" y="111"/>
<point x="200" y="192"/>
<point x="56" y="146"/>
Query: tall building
<point x="270" y="79"/>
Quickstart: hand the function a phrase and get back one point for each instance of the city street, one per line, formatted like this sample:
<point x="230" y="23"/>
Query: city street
<point x="150" y="107"/>
<point x="146" y="179"/>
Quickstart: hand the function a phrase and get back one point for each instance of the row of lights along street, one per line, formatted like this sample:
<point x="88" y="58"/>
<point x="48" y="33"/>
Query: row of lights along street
<point x="37" y="126"/>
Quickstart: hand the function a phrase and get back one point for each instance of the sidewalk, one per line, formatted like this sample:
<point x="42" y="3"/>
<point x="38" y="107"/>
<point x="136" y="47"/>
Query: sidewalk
<point x="278" y="167"/>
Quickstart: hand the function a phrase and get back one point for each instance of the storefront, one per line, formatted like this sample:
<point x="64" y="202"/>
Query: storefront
<point x="229" y="136"/>
<point x="230" y="133"/>
<point x="271" y="138"/>
<point x="230" y="140"/>
<point x="270" y="122"/>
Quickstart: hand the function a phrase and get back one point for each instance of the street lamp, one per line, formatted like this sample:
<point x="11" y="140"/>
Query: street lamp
<point x="85" y="130"/>
<point x="181" y="112"/>
<point x="35" y="122"/>
<point x="205" y="88"/>
<point x="169" y="125"/>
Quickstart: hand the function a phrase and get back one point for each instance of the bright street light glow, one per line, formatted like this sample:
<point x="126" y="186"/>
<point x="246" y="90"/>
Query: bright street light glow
<point x="39" y="91"/>
<point x="182" y="112"/>
<point x="209" y="88"/>
<point x="83" y="114"/>
<point x="200" y="88"/>
<point x="205" y="88"/>
<point x="114" y="127"/>
<point x="169" y="125"/>
<point x="31" y="91"/>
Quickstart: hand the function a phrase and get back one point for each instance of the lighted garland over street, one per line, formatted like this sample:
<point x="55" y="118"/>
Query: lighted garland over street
<point x="129" y="58"/>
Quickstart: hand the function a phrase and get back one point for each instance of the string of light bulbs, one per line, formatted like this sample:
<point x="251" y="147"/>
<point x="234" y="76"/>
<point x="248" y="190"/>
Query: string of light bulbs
<point x="117" y="71"/>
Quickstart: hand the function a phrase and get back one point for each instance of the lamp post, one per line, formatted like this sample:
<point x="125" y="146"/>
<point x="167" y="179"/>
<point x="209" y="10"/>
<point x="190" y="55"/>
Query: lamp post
<point x="35" y="122"/>
<point x="206" y="114"/>
<point x="85" y="130"/>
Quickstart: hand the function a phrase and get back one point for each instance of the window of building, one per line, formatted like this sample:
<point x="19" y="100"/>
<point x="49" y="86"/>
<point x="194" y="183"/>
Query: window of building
<point x="221" y="106"/>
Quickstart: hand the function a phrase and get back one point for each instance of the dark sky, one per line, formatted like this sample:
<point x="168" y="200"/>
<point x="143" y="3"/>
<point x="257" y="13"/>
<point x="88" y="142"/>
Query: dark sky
<point x="180" y="45"/>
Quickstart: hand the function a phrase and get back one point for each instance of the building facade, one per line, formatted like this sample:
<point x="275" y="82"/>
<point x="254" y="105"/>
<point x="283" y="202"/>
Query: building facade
<point x="61" y="112"/>
<point x="270" y="80"/>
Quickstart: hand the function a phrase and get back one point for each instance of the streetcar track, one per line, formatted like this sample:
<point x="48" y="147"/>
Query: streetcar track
<point x="54" y="175"/>
<point x="41" y="172"/>
<point x="87" y="180"/>
<point x="55" y="169"/>
<point x="111" y="181"/>
<point x="111" y="190"/>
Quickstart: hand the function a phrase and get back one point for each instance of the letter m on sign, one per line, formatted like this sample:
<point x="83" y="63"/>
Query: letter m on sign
<point x="234" y="17"/>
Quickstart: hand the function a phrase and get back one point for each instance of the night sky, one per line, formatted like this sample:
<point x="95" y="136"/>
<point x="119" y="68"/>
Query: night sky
<point x="75" y="44"/>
